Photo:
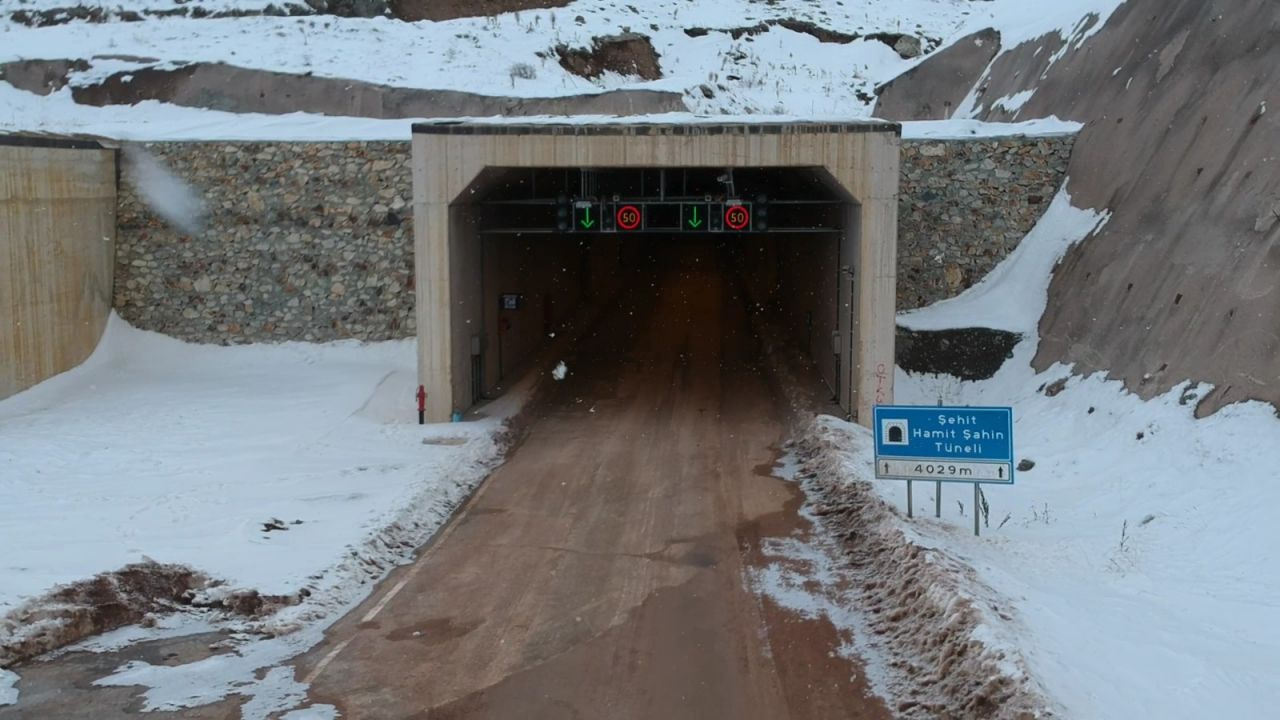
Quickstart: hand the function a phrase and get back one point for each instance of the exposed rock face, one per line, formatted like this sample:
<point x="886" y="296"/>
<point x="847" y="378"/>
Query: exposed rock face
<point x="967" y="353"/>
<point x="964" y="205"/>
<point x="933" y="89"/>
<point x="414" y="10"/>
<point x="908" y="46"/>
<point x="627" y="54"/>
<point x="1183" y="283"/>
<point x="40" y="76"/>
<point x="350" y="8"/>
<point x="235" y="89"/>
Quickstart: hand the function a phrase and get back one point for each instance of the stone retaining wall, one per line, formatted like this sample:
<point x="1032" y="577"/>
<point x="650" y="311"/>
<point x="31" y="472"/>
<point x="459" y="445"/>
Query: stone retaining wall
<point x="966" y="204"/>
<point x="314" y="241"/>
<point x="302" y="241"/>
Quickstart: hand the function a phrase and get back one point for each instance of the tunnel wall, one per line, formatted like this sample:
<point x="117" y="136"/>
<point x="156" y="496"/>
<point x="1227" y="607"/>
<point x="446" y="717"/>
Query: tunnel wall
<point x="553" y="276"/>
<point x="57" y="231"/>
<point x="313" y="240"/>
<point x="795" y="277"/>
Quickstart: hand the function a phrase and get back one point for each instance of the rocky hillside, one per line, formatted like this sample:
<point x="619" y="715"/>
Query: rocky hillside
<point x="1179" y="145"/>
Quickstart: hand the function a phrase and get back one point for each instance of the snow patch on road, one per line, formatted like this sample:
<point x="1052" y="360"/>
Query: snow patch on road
<point x="313" y="712"/>
<point x="8" y="687"/>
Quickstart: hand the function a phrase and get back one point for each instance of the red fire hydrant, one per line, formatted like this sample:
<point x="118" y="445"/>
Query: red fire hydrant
<point x="422" y="405"/>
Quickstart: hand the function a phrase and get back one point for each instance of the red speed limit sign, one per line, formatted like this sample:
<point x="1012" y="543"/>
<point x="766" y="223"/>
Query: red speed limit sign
<point x="629" y="217"/>
<point x="737" y="217"/>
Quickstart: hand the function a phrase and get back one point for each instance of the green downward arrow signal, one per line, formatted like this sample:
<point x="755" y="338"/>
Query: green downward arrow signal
<point x="694" y="221"/>
<point x="587" y="222"/>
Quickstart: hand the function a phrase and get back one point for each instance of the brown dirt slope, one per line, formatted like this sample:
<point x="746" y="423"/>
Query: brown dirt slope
<point x="1182" y="282"/>
<point x="932" y="89"/>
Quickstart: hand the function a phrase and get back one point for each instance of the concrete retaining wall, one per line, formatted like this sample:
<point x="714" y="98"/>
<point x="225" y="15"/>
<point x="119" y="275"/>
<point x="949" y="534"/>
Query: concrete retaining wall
<point x="57" y="234"/>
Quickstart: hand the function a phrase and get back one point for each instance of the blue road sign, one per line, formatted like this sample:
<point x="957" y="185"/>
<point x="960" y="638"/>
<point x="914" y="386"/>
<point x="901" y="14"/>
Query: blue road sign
<point x="949" y="444"/>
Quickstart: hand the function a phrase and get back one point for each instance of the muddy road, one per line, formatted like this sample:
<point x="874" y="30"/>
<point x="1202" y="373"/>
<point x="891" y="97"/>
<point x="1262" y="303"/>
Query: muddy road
<point x="600" y="572"/>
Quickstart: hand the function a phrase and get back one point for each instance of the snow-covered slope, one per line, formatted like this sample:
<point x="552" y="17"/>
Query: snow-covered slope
<point x="266" y="466"/>
<point x="770" y="70"/>
<point x="1137" y="552"/>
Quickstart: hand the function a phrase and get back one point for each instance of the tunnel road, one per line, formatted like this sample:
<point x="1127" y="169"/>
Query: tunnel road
<point x="600" y="573"/>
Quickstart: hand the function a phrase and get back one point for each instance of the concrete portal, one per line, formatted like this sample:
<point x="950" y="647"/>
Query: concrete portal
<point x="454" y="164"/>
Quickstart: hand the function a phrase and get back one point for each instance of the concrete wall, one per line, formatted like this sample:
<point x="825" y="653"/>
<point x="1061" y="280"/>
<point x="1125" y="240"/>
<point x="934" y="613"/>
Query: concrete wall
<point x="797" y="277"/>
<point x="57" y="234"/>
<point x="552" y="275"/>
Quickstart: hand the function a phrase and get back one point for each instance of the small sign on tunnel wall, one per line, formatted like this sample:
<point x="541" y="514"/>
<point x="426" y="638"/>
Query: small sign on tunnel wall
<point x="511" y="301"/>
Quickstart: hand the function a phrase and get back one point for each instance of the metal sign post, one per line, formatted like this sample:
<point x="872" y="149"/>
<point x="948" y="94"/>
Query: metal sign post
<point x="945" y="444"/>
<point x="976" y="510"/>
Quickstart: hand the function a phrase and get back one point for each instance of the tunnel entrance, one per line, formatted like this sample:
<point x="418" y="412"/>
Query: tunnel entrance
<point x="554" y="238"/>
<point x="518" y="226"/>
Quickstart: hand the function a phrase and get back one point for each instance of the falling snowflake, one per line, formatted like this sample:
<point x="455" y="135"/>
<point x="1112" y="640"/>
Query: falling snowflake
<point x="560" y="371"/>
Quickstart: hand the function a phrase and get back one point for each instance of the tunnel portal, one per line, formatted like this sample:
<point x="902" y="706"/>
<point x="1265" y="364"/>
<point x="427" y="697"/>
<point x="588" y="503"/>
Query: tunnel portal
<point x="517" y="227"/>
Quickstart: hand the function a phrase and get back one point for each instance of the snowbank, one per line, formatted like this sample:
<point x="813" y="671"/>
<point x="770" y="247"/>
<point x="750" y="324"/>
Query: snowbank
<point x="1014" y="294"/>
<point x="8" y="688"/>
<point x="264" y="466"/>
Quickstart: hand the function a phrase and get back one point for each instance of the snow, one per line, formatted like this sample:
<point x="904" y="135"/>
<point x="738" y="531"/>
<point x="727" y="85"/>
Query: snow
<point x="8" y="688"/>
<point x="1018" y="21"/>
<point x="313" y="712"/>
<point x="777" y="72"/>
<point x="1014" y="294"/>
<point x="1138" y="555"/>
<point x="173" y="687"/>
<point x="1014" y="102"/>
<point x="180" y="453"/>
<point x="164" y="191"/>
<point x="560" y="371"/>
<point x="968" y="129"/>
